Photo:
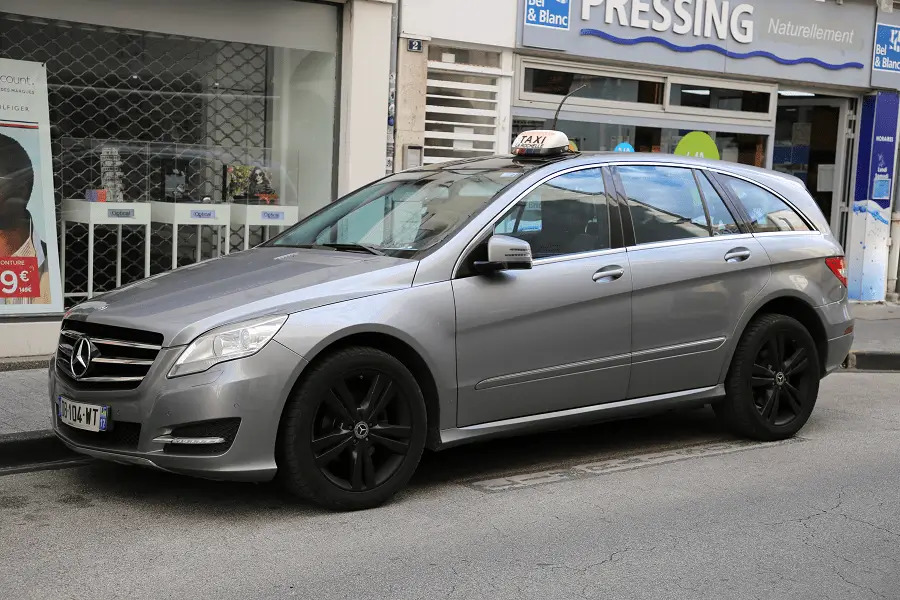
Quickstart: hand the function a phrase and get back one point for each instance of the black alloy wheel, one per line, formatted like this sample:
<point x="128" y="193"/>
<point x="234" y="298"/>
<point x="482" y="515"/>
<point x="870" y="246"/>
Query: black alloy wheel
<point x="773" y="380"/>
<point x="352" y="434"/>
<point x="361" y="431"/>
<point x="780" y="379"/>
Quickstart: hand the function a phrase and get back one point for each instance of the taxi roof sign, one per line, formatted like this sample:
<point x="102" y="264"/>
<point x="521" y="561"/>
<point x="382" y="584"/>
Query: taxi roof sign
<point x="541" y="142"/>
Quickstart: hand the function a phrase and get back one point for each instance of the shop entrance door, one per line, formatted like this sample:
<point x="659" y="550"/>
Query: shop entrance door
<point x="812" y="143"/>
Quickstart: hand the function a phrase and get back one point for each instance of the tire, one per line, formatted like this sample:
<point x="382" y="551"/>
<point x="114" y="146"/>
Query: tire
<point x="773" y="380"/>
<point x="353" y="432"/>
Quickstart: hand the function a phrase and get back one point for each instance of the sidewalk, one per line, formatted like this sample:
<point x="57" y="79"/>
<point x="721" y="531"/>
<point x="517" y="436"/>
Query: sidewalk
<point x="877" y="327"/>
<point x="24" y="405"/>
<point x="876" y="344"/>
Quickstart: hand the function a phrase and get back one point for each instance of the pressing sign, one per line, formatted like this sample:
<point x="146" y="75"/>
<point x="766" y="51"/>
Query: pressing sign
<point x="541" y="142"/>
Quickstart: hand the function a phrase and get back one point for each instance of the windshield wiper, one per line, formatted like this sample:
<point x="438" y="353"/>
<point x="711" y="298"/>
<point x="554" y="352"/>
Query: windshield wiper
<point x="304" y="246"/>
<point x="336" y="247"/>
<point x="354" y="247"/>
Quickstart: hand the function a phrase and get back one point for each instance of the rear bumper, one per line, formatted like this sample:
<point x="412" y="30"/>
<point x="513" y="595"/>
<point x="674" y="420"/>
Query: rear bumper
<point x="838" y="349"/>
<point x="838" y="325"/>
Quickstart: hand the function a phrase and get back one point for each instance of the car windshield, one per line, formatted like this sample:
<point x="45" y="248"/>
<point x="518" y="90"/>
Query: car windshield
<point x="401" y="215"/>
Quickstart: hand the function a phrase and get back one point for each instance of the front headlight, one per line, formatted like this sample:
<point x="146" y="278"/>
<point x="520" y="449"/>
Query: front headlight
<point x="227" y="343"/>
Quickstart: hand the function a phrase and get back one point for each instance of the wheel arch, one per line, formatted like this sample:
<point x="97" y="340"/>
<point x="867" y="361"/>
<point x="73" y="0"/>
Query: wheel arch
<point x="400" y="349"/>
<point x="792" y="306"/>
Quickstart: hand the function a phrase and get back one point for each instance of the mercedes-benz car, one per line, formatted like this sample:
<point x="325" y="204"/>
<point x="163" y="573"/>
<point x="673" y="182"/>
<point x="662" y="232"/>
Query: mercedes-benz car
<point x="462" y="301"/>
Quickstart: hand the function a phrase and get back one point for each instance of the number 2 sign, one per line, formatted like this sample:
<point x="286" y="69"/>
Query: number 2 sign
<point x="19" y="277"/>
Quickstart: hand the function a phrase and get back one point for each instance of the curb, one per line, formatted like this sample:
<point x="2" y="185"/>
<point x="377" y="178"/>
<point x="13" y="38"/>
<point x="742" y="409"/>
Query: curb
<point x="872" y="361"/>
<point x="24" y="362"/>
<point x="32" y="450"/>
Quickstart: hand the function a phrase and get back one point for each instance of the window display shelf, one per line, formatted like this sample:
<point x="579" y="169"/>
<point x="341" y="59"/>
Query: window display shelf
<point x="260" y="215"/>
<point x="197" y="215"/>
<point x="116" y="214"/>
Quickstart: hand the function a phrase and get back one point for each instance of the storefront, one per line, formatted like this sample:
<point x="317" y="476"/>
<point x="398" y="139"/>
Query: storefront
<point x="772" y="84"/>
<point x="179" y="131"/>
<point x="790" y="86"/>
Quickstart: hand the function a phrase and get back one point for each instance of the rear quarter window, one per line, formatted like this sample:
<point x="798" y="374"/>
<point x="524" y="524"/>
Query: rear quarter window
<point x="767" y="211"/>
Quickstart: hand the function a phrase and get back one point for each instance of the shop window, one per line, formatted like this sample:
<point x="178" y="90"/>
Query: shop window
<point x="665" y="203"/>
<point x="767" y="212"/>
<point x="704" y="96"/>
<point x="154" y="117"/>
<point x="596" y="87"/>
<point x="589" y="136"/>
<point x="566" y="215"/>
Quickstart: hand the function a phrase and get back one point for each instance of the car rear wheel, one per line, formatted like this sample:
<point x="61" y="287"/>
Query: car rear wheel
<point x="353" y="433"/>
<point x="773" y="381"/>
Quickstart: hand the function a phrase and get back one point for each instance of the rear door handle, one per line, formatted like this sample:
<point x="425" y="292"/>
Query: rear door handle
<point x="607" y="274"/>
<point x="737" y="255"/>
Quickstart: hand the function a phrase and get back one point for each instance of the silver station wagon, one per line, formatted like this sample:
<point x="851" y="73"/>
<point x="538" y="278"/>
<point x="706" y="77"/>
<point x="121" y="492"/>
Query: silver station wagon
<point x="460" y="302"/>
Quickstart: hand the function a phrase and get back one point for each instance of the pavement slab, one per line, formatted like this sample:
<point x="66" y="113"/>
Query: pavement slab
<point x="24" y="404"/>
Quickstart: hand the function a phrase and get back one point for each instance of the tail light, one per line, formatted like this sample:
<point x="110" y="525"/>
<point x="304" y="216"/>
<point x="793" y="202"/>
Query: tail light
<point x="838" y="267"/>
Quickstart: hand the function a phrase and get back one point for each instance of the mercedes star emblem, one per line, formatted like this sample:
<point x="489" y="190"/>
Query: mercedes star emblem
<point x="361" y="430"/>
<point x="81" y="357"/>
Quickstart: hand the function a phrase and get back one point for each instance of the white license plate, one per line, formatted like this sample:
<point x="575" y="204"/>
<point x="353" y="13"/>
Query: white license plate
<point x="89" y="417"/>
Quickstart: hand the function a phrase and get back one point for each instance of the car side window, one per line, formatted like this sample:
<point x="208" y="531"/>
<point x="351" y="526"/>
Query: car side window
<point x="721" y="219"/>
<point x="664" y="202"/>
<point x="767" y="211"/>
<point x="565" y="215"/>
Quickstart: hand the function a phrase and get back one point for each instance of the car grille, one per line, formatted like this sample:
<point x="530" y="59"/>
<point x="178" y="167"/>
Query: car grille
<point x="119" y="357"/>
<point x="122" y="436"/>
<point x="224" y="428"/>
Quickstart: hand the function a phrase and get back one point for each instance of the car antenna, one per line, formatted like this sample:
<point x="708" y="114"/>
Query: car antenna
<point x="563" y="101"/>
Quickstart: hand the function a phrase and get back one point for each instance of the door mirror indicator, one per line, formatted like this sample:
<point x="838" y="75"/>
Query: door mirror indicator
<point x="505" y="253"/>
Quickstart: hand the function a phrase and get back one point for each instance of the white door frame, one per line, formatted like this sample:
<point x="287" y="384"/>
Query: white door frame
<point x="839" y="204"/>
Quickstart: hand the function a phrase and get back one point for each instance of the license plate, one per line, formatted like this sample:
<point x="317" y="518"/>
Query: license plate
<point x="89" y="417"/>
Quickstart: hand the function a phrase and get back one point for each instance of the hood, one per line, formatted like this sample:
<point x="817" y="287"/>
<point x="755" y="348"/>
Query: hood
<point x="186" y="302"/>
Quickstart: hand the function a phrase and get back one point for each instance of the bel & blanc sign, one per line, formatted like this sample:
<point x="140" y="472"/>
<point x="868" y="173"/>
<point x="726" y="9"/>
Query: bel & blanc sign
<point x="799" y="40"/>
<point x="887" y="48"/>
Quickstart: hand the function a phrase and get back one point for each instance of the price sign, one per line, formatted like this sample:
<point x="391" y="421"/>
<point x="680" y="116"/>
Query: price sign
<point x="19" y="277"/>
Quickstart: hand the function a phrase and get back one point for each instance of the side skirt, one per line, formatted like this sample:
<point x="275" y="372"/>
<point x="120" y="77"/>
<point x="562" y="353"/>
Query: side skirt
<point x="579" y="416"/>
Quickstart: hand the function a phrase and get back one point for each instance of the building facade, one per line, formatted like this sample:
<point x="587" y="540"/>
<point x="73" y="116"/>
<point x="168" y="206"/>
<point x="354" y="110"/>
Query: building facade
<point x="807" y="87"/>
<point x="178" y="131"/>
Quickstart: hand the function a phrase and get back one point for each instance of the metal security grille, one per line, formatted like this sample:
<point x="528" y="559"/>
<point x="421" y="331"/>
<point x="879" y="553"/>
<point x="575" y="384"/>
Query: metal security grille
<point x="159" y="101"/>
<point x="463" y="104"/>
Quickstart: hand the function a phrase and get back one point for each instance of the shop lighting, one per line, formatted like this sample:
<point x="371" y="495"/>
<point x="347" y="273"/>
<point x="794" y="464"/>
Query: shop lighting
<point x="795" y="94"/>
<point x="696" y="92"/>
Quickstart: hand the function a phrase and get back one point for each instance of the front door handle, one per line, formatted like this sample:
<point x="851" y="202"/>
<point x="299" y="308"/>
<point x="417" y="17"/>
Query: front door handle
<point x="737" y="255"/>
<point x="607" y="274"/>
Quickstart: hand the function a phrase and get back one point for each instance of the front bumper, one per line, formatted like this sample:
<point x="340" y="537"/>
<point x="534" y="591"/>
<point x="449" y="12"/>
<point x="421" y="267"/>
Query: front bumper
<point x="252" y="389"/>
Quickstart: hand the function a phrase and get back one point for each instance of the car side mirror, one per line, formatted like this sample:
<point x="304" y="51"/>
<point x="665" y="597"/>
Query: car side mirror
<point x="505" y="253"/>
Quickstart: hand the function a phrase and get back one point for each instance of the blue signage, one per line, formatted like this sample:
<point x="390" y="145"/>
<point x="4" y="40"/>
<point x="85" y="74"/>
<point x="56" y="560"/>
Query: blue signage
<point x="877" y="144"/>
<point x="547" y="13"/>
<point x="624" y="147"/>
<point x="273" y="215"/>
<point x="887" y="48"/>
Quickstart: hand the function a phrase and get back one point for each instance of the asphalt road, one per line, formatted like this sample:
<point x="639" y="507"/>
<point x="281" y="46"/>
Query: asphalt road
<point x="668" y="507"/>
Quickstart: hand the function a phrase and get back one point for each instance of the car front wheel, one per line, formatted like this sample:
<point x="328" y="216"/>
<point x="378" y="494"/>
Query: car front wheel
<point x="353" y="433"/>
<point x="773" y="381"/>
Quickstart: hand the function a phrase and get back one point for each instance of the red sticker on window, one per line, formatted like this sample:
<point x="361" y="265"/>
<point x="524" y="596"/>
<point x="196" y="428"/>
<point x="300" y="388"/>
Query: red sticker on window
<point x="19" y="277"/>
